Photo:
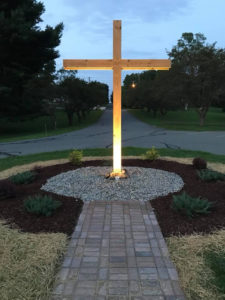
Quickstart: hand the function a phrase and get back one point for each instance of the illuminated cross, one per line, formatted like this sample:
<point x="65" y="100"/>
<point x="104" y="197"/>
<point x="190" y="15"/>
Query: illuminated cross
<point x="116" y="64"/>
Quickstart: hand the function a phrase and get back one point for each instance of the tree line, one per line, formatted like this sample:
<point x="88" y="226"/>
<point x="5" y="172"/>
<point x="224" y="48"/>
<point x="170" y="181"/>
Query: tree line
<point x="29" y="84"/>
<point x="196" y="79"/>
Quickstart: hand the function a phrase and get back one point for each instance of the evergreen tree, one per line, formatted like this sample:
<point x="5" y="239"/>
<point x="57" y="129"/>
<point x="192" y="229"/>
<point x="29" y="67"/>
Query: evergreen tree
<point x="27" y="56"/>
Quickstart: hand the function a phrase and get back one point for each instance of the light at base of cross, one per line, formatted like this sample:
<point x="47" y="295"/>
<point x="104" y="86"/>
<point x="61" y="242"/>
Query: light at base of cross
<point x="117" y="169"/>
<point x="120" y="175"/>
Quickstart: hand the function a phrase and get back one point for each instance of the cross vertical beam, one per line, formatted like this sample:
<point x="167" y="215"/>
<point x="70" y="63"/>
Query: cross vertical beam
<point x="116" y="97"/>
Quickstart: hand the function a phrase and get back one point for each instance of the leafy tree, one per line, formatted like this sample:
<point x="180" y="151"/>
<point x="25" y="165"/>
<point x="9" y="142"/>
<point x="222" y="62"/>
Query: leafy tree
<point x="27" y="56"/>
<point x="129" y="79"/>
<point x="130" y="95"/>
<point x="152" y="91"/>
<point x="78" y="96"/>
<point x="199" y="69"/>
<point x="98" y="93"/>
<point x="166" y="94"/>
<point x="111" y="97"/>
<point x="71" y="93"/>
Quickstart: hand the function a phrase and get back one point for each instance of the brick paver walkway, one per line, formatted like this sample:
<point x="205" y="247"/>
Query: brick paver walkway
<point x="117" y="252"/>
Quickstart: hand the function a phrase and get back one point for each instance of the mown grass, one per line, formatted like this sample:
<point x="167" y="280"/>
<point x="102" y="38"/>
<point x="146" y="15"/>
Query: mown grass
<point x="199" y="260"/>
<point x="28" y="263"/>
<point x="43" y="126"/>
<point x="11" y="161"/>
<point x="183" y="120"/>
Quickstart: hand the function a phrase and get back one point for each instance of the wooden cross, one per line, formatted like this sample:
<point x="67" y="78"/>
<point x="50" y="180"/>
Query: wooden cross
<point x="116" y="64"/>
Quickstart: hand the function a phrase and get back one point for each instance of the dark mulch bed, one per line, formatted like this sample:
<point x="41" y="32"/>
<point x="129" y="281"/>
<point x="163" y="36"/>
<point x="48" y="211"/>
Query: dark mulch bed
<point x="66" y="216"/>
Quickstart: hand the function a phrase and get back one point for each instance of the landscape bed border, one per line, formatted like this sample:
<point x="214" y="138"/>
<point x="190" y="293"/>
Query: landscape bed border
<point x="106" y="153"/>
<point x="178" y="159"/>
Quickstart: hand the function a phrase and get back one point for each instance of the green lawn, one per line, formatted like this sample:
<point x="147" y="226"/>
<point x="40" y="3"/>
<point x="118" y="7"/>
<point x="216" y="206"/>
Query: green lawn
<point x="43" y="126"/>
<point x="11" y="161"/>
<point x="183" y="120"/>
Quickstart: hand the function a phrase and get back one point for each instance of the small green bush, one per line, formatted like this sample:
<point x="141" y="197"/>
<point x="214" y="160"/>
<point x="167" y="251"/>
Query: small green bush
<point x="75" y="157"/>
<point x="199" y="163"/>
<point x="190" y="206"/>
<point x="23" y="178"/>
<point x="151" y="154"/>
<point x="41" y="205"/>
<point x="210" y="175"/>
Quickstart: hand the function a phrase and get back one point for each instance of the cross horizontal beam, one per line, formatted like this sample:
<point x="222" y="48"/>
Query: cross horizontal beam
<point x="145" y="64"/>
<point x="88" y="64"/>
<point x="124" y="64"/>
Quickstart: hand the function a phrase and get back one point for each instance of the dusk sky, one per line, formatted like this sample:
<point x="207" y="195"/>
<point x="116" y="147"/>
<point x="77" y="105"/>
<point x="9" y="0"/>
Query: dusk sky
<point x="149" y="27"/>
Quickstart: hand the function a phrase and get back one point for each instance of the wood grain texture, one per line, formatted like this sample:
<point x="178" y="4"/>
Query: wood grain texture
<point x="116" y="96"/>
<point x="88" y="64"/>
<point x="145" y="64"/>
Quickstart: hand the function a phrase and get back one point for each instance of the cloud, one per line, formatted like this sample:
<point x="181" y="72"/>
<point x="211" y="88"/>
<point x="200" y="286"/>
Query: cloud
<point x="88" y="28"/>
<point x="150" y="10"/>
<point x="137" y="54"/>
<point x="94" y="17"/>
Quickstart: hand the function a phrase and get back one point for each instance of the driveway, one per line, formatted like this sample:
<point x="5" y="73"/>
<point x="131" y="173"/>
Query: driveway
<point x="134" y="133"/>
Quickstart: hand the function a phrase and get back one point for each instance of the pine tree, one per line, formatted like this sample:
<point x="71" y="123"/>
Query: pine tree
<point x="27" y="56"/>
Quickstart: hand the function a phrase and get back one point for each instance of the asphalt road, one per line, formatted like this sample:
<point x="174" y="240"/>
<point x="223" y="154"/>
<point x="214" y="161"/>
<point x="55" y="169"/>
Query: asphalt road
<point x="134" y="133"/>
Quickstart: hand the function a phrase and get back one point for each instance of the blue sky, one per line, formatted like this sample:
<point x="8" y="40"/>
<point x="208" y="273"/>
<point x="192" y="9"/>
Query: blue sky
<point x="149" y="27"/>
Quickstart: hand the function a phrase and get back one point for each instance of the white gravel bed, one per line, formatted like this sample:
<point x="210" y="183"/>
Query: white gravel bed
<point x="90" y="184"/>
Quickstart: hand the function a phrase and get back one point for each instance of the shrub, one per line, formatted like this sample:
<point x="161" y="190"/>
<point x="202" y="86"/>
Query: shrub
<point x="23" y="178"/>
<point x="210" y="175"/>
<point x="151" y="154"/>
<point x="75" y="157"/>
<point x="7" y="190"/>
<point x="190" y="206"/>
<point x="41" y="205"/>
<point x="199" y="163"/>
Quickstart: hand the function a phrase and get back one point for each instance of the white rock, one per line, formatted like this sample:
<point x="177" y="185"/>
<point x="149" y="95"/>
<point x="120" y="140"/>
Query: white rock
<point x="90" y="184"/>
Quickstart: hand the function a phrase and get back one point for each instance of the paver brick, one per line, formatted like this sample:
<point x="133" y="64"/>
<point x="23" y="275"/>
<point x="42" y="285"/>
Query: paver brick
<point x="173" y="273"/>
<point x="102" y="288"/>
<point x="143" y="253"/>
<point x="69" y="287"/>
<point x="62" y="274"/>
<point x="163" y="273"/>
<point x="82" y="297"/>
<point x="86" y="284"/>
<point x="133" y="274"/>
<point x="167" y="287"/>
<point x="118" y="291"/>
<point x="87" y="291"/>
<point x="67" y="261"/>
<point x="103" y="274"/>
<point x="117" y="259"/>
